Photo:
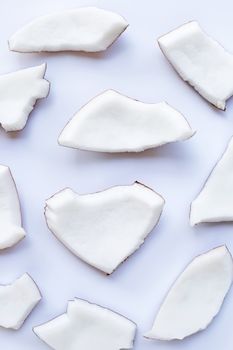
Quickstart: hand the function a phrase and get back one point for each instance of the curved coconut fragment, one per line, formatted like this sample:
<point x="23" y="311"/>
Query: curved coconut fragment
<point x="215" y="201"/>
<point x="87" y="326"/>
<point x="17" y="300"/>
<point x="11" y="231"/>
<point x="112" y="122"/>
<point x="196" y="297"/>
<point x="200" y="61"/>
<point x="87" y="29"/>
<point x="104" y="228"/>
<point x="19" y="92"/>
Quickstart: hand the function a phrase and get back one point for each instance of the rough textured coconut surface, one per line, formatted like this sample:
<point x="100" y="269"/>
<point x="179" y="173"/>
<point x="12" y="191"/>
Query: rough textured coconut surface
<point x="17" y="300"/>
<point x="215" y="201"/>
<point x="104" y="228"/>
<point x="11" y="231"/>
<point x="19" y="92"/>
<point x="112" y="122"/>
<point x="88" y="326"/>
<point x="196" y="296"/>
<point x="84" y="29"/>
<point x="201" y="61"/>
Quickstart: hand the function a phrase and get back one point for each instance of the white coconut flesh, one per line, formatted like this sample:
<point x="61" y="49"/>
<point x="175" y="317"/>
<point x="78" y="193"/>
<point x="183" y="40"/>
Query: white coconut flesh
<point x="196" y="296"/>
<point x="215" y="201"/>
<point x="87" y="326"/>
<point x="200" y="61"/>
<point x="11" y="231"/>
<point x="112" y="122"/>
<point x="19" y="92"/>
<point x="104" y="228"/>
<point x="17" y="300"/>
<point x="84" y="29"/>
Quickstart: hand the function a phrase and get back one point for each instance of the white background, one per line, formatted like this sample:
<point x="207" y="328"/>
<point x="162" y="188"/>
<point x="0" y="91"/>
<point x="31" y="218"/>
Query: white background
<point x="134" y="66"/>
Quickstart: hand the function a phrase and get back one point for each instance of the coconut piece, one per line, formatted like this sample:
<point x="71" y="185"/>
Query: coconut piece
<point x="104" y="228"/>
<point x="87" y="326"/>
<point x="11" y="231"/>
<point x="200" y="61"/>
<point x="19" y="92"/>
<point x="196" y="297"/>
<point x="215" y="201"/>
<point x="87" y="29"/>
<point x="112" y="122"/>
<point x="17" y="300"/>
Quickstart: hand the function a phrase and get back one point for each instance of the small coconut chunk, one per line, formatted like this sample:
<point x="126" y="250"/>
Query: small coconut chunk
<point x="112" y="122"/>
<point x="200" y="61"/>
<point x="196" y="297"/>
<point x="87" y="29"/>
<point x="104" y="228"/>
<point x="17" y="300"/>
<point x="215" y="201"/>
<point x="11" y="231"/>
<point x="87" y="326"/>
<point x="19" y="92"/>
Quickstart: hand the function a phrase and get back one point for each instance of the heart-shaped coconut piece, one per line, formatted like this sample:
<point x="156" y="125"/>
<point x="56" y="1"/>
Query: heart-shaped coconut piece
<point x="104" y="228"/>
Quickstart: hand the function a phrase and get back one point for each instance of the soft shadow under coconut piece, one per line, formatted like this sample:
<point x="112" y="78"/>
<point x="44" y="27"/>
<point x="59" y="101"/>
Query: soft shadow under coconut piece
<point x="19" y="92"/>
<point x="87" y="326"/>
<point x="87" y="29"/>
<point x="196" y="297"/>
<point x="200" y="61"/>
<point x="17" y="300"/>
<point x="11" y="231"/>
<point x="215" y="201"/>
<point x="104" y="228"/>
<point x="112" y="122"/>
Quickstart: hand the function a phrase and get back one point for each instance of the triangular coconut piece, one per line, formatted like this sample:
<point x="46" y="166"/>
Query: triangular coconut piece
<point x="196" y="297"/>
<point x="87" y="326"/>
<point x="215" y="201"/>
<point x="112" y="122"/>
<point x="19" y="92"/>
<point x="104" y="228"/>
<point x="200" y="61"/>
<point x="11" y="231"/>
<point x="17" y="300"/>
<point x="87" y="29"/>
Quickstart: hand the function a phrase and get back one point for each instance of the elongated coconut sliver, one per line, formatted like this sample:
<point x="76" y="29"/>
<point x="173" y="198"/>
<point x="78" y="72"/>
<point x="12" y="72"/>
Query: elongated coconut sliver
<point x="104" y="228"/>
<point x="215" y="201"/>
<point x="19" y="92"/>
<point x="87" y="29"/>
<point x="87" y="326"/>
<point x="196" y="297"/>
<point x="200" y="61"/>
<point x="11" y="231"/>
<point x="112" y="122"/>
<point x="17" y="300"/>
